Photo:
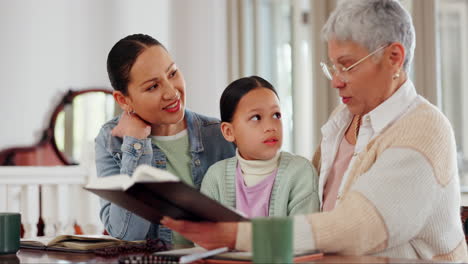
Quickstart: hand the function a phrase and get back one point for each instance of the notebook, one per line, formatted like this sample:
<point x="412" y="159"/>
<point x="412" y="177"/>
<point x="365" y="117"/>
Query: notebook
<point x="75" y="243"/>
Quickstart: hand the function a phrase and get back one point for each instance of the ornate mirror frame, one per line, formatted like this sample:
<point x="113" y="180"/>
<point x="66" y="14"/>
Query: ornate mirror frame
<point x="45" y="152"/>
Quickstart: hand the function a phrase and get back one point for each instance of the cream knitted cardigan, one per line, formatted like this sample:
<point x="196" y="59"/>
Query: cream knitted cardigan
<point x="401" y="199"/>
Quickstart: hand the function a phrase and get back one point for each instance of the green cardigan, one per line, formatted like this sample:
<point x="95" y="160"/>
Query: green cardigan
<point x="295" y="190"/>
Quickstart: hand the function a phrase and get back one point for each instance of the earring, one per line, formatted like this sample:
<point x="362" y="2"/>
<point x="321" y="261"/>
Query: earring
<point x="396" y="76"/>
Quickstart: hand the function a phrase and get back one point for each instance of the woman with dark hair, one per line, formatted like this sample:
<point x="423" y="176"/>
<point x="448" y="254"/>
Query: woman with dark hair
<point x="260" y="180"/>
<point x="154" y="129"/>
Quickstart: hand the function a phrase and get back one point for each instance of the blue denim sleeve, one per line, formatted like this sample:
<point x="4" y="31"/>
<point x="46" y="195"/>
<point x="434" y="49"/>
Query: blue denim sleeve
<point x="119" y="222"/>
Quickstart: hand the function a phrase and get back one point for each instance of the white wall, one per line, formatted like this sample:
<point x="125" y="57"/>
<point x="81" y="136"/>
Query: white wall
<point x="50" y="46"/>
<point x="199" y="47"/>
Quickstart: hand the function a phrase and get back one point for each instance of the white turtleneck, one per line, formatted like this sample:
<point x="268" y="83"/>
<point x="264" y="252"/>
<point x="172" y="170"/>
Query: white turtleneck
<point x="256" y="170"/>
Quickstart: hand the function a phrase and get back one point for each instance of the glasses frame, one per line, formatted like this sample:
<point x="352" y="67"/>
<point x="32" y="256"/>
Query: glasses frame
<point x="330" y="71"/>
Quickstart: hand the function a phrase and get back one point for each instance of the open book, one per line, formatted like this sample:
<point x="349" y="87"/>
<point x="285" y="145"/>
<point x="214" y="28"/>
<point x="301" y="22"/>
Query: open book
<point x="235" y="256"/>
<point x="75" y="243"/>
<point x="153" y="193"/>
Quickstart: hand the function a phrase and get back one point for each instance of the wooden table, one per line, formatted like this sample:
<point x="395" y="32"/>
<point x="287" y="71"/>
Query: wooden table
<point x="38" y="256"/>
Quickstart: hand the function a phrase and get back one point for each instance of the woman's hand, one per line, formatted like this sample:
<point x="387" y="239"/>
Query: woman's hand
<point x="131" y="125"/>
<point x="207" y="235"/>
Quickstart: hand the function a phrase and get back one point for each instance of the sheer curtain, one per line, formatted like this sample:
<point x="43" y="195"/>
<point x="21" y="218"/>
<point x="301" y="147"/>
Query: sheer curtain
<point x="280" y="41"/>
<point x="440" y="69"/>
<point x="453" y="50"/>
<point x="260" y="44"/>
<point x="325" y="98"/>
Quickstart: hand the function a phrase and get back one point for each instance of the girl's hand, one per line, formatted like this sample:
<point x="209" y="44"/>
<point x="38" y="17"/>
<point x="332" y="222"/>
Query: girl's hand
<point x="207" y="235"/>
<point x="131" y="125"/>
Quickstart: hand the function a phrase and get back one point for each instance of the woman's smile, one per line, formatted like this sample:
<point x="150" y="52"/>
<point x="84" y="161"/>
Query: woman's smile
<point x="172" y="108"/>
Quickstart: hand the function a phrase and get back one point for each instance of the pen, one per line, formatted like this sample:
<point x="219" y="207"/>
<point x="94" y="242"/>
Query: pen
<point x="197" y="256"/>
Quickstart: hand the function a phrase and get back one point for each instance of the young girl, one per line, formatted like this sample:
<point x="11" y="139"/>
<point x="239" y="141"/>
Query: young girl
<point x="260" y="180"/>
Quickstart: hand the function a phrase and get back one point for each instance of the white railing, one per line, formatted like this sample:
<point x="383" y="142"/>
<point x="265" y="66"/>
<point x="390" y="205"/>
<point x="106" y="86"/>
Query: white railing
<point x="54" y="193"/>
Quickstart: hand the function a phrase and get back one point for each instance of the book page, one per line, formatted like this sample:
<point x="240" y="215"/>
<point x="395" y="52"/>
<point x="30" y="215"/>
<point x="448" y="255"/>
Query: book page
<point x="146" y="173"/>
<point x="38" y="241"/>
<point x="78" y="242"/>
<point x="143" y="173"/>
<point x="88" y="244"/>
<point x="116" y="182"/>
<point x="50" y="241"/>
<point x="84" y="238"/>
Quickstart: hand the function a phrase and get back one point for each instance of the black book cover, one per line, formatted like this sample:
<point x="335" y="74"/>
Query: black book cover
<point x="153" y="200"/>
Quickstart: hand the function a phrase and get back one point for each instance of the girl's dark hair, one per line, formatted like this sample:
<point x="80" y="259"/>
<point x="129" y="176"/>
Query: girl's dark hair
<point x="236" y="90"/>
<point x="123" y="55"/>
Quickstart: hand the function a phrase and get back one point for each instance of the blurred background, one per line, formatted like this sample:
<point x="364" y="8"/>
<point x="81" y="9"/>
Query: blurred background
<point x="48" y="47"/>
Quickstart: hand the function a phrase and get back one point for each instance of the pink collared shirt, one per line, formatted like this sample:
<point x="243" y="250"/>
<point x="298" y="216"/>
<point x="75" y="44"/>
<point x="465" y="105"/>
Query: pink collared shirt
<point x="343" y="157"/>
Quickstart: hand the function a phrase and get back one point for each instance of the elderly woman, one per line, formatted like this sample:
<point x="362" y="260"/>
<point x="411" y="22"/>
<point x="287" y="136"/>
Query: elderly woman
<point x="387" y="160"/>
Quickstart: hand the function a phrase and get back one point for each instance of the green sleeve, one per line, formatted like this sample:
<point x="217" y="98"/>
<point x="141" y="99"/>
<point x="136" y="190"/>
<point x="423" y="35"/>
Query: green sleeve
<point x="304" y="197"/>
<point x="210" y="184"/>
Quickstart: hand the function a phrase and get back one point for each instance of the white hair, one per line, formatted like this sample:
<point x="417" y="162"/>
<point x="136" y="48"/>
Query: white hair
<point x="372" y="23"/>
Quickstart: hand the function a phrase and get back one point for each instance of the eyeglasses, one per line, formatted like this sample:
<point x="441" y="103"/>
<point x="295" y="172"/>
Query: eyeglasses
<point x="341" y="71"/>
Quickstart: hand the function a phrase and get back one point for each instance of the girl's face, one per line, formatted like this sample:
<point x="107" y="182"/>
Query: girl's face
<point x="156" y="90"/>
<point x="256" y="127"/>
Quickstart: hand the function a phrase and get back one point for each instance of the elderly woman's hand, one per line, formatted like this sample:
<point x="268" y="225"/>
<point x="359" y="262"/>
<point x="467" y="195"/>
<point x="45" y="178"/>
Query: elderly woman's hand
<point x="131" y="125"/>
<point x="206" y="234"/>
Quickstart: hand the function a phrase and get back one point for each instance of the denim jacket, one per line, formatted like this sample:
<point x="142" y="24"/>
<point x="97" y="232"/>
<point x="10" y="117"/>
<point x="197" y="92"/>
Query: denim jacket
<point x="115" y="155"/>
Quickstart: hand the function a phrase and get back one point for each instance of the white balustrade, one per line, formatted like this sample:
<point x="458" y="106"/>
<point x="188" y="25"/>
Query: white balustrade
<point x="55" y="193"/>
<point x="29" y="206"/>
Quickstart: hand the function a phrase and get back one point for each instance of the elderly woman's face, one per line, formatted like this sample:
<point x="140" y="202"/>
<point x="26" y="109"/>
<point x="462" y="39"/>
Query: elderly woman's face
<point x="366" y="85"/>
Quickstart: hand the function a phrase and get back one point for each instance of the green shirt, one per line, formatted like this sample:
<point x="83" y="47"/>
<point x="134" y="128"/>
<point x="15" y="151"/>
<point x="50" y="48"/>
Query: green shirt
<point x="178" y="160"/>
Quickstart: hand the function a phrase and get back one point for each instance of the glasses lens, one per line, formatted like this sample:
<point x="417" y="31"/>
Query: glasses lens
<point x="326" y="71"/>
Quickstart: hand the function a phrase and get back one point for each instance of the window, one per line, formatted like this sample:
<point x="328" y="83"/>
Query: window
<point x="453" y="33"/>
<point x="263" y="46"/>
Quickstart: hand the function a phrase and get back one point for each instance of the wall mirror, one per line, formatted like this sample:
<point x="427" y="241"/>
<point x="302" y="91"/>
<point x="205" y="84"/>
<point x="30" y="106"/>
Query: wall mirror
<point x="78" y="123"/>
<point x="74" y="124"/>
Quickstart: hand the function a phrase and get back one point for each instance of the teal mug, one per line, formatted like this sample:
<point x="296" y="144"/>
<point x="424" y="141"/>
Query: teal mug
<point x="272" y="240"/>
<point x="10" y="228"/>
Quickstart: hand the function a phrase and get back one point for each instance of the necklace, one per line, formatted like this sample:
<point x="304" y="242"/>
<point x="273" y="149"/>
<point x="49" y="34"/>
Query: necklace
<point x="358" y="125"/>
